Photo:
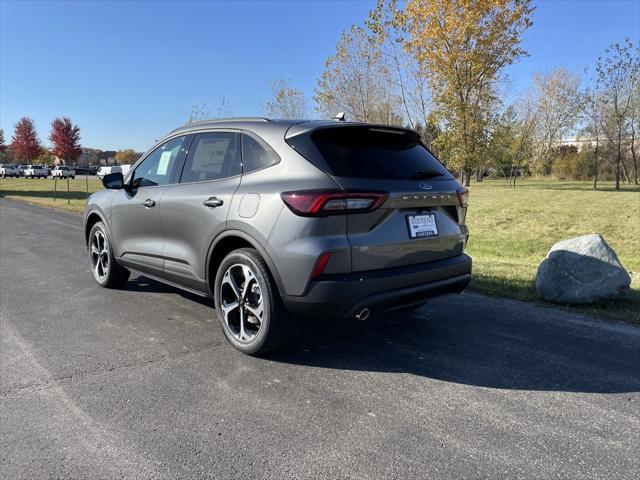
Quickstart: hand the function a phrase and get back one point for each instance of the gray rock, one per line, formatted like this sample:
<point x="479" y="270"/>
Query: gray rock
<point x="581" y="270"/>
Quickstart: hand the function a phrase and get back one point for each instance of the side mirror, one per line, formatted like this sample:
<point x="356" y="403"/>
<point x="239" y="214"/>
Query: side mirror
<point x="113" y="181"/>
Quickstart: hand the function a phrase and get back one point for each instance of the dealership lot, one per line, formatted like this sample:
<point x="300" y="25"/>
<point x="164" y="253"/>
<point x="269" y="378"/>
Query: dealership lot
<point x="141" y="383"/>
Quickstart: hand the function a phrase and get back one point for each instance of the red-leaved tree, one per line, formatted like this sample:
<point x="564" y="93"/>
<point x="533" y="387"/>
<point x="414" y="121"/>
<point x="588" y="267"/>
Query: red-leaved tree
<point x="25" y="143"/>
<point x="65" y="137"/>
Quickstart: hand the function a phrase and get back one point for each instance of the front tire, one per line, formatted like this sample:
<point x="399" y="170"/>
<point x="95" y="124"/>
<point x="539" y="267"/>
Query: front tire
<point x="248" y="304"/>
<point x="105" y="269"/>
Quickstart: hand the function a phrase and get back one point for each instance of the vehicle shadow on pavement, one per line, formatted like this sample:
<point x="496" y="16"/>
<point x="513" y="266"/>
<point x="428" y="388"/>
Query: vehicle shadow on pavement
<point x="512" y="350"/>
<point x="488" y="352"/>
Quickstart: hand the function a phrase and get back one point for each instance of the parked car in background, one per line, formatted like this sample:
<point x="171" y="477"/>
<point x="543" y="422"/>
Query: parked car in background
<point x="102" y="171"/>
<point x="36" y="171"/>
<point x="81" y="169"/>
<point x="9" y="170"/>
<point x="21" y="169"/>
<point x="283" y="219"/>
<point x="62" y="171"/>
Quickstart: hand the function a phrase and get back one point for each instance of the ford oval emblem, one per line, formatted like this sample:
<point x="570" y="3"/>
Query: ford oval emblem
<point x="425" y="186"/>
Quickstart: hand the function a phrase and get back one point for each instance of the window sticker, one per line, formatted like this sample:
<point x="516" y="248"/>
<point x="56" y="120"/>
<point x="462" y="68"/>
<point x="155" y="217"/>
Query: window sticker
<point x="163" y="164"/>
<point x="209" y="155"/>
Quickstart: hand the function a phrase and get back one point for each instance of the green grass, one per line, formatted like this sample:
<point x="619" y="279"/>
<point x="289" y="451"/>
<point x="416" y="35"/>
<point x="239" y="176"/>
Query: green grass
<point x="40" y="191"/>
<point x="511" y="229"/>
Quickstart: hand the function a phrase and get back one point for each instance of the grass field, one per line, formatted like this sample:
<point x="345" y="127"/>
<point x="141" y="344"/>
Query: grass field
<point x="511" y="229"/>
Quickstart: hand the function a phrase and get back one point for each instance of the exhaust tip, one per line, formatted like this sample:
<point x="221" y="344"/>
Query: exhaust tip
<point x="363" y="314"/>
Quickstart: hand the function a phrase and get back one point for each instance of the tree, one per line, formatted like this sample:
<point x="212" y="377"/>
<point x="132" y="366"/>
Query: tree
<point x="465" y="45"/>
<point x="286" y="101"/>
<point x="25" y="143"/>
<point x="199" y="113"/>
<point x="558" y="106"/>
<point x="618" y="74"/>
<point x="224" y="109"/>
<point x="634" y="124"/>
<point x="124" y="157"/>
<point x="356" y="81"/>
<point x="65" y="137"/>
<point x="407" y="77"/>
<point x="592" y="131"/>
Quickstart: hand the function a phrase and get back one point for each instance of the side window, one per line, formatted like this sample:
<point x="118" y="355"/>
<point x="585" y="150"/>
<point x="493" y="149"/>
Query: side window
<point x="256" y="155"/>
<point x="158" y="167"/>
<point x="212" y="156"/>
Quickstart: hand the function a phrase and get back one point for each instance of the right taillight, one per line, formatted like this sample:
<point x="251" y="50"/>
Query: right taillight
<point x="463" y="196"/>
<point x="321" y="203"/>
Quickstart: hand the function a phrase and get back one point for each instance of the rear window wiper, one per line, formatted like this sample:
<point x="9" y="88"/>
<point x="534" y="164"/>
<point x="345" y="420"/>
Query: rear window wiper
<point x="424" y="174"/>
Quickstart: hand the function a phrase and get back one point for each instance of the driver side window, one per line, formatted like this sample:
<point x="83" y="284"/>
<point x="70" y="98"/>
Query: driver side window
<point x="158" y="167"/>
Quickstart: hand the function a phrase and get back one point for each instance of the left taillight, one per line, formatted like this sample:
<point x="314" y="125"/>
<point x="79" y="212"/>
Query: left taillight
<point x="321" y="203"/>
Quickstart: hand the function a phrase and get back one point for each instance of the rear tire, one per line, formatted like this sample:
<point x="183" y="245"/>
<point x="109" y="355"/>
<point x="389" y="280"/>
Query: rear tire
<point x="105" y="269"/>
<point x="248" y="304"/>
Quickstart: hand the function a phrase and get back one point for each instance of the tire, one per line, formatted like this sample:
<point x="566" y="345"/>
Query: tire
<point x="106" y="271"/>
<point x="272" y="328"/>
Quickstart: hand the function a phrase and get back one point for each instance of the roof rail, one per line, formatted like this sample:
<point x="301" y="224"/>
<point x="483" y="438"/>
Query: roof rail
<point x="232" y="119"/>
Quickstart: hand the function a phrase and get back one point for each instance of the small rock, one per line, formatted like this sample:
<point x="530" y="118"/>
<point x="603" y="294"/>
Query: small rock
<point x="581" y="270"/>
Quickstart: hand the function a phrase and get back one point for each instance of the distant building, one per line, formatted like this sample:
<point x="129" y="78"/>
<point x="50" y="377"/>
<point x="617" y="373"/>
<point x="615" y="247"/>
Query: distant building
<point x="108" y="157"/>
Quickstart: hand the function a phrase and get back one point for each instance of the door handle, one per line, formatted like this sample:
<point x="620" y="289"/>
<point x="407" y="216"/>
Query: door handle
<point x="213" y="202"/>
<point x="148" y="203"/>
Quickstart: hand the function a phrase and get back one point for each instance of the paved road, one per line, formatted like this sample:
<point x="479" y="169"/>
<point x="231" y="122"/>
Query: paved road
<point x="140" y="383"/>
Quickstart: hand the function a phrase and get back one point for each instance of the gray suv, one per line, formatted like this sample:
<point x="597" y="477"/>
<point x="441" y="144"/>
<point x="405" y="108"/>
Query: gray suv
<point x="277" y="220"/>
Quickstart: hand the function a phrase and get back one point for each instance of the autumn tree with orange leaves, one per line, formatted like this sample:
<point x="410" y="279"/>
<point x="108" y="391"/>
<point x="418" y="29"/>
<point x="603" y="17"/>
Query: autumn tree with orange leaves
<point x="465" y="46"/>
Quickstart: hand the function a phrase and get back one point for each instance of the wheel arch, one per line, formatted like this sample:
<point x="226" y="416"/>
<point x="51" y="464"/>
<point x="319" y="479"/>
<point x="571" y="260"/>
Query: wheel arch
<point x="232" y="240"/>
<point x="92" y="218"/>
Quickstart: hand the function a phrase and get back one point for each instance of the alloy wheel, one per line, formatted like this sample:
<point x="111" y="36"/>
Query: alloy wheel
<point x="100" y="255"/>
<point x="242" y="302"/>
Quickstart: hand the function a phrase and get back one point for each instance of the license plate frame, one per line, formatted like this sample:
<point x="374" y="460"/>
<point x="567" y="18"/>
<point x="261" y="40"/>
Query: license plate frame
<point x="423" y="225"/>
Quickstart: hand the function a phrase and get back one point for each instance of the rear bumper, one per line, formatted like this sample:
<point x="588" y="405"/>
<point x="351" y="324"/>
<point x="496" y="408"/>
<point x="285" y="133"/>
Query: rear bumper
<point x="343" y="295"/>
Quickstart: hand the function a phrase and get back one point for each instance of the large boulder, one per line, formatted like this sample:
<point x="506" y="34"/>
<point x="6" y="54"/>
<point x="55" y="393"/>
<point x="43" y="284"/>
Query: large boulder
<point x="581" y="270"/>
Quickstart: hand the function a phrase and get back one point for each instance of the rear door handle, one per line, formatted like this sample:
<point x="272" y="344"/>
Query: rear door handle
<point x="148" y="203"/>
<point x="213" y="202"/>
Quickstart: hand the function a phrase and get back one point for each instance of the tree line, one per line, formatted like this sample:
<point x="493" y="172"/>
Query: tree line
<point x="25" y="144"/>
<point x="26" y="147"/>
<point x="439" y="67"/>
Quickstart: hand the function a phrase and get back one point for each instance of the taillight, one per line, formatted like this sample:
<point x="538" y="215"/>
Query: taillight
<point x="463" y="196"/>
<point x="320" y="203"/>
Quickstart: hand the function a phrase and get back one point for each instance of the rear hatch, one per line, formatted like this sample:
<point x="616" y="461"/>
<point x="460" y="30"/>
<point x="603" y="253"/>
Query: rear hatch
<point x="421" y="219"/>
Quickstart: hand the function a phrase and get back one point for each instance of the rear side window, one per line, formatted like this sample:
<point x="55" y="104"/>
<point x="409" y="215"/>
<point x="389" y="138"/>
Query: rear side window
<point x="370" y="152"/>
<point x="212" y="156"/>
<point x="256" y="155"/>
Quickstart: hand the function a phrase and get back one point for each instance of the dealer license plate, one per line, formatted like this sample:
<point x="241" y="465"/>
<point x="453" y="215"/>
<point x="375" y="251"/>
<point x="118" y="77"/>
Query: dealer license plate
<point x="421" y="226"/>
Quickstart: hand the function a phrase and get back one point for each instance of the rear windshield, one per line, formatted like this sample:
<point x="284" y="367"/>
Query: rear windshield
<point x="370" y="152"/>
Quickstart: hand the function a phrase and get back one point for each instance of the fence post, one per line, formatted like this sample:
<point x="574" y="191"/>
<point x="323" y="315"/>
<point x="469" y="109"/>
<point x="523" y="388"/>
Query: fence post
<point x="68" y="194"/>
<point x="86" y="181"/>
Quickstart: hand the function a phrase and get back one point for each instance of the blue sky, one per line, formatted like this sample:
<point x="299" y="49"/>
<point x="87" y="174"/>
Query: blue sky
<point x="128" y="72"/>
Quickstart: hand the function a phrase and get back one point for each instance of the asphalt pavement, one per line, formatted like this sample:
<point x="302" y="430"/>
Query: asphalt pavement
<point x="140" y="383"/>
